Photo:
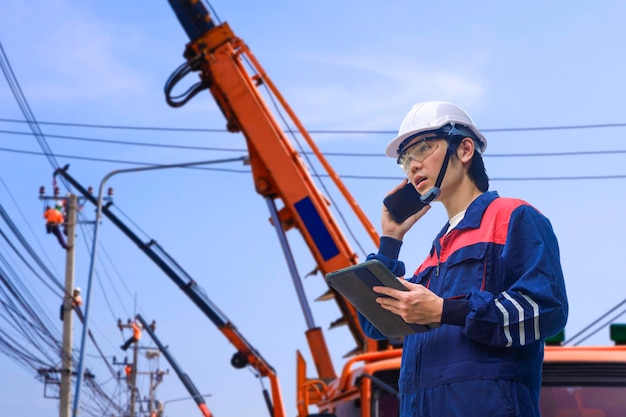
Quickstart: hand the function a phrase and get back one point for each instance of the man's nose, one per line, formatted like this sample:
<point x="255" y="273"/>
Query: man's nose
<point x="415" y="165"/>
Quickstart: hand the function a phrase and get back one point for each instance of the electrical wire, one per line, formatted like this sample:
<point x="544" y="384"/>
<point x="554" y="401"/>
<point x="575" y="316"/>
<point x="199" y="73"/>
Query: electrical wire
<point x="322" y="131"/>
<point x="30" y="325"/>
<point x="116" y="161"/>
<point x="586" y="332"/>
<point x="294" y="133"/>
<point x="343" y="176"/>
<point x="28" y="225"/>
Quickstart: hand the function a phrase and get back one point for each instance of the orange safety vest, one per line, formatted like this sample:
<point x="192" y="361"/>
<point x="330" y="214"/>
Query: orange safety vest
<point x="53" y="216"/>
<point x="136" y="331"/>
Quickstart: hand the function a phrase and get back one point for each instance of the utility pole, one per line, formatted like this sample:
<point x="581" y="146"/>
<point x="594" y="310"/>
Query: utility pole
<point x="68" y="317"/>
<point x="133" y="392"/>
<point x="156" y="377"/>
<point x="132" y="373"/>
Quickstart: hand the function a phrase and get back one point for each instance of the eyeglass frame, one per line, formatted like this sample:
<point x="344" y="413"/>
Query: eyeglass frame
<point x="406" y="153"/>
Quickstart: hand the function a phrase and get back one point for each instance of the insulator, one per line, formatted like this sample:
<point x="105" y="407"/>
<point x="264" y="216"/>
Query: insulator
<point x="110" y="191"/>
<point x="90" y="189"/>
<point x="42" y="190"/>
<point x="56" y="191"/>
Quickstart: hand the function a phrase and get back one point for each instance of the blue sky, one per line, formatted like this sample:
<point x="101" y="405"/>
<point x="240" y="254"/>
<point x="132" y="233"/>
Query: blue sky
<point x="341" y="66"/>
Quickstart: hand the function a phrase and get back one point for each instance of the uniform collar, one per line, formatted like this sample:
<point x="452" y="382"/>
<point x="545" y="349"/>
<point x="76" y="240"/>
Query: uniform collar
<point x="473" y="214"/>
<point x="476" y="209"/>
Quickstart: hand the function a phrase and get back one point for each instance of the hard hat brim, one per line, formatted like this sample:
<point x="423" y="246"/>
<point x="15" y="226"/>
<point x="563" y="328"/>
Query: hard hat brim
<point x="393" y="148"/>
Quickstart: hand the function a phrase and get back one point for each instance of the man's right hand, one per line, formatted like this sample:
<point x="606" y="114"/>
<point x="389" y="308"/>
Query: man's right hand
<point x="397" y="231"/>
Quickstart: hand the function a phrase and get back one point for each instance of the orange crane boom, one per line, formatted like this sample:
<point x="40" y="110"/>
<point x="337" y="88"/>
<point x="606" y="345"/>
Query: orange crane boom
<point x="278" y="170"/>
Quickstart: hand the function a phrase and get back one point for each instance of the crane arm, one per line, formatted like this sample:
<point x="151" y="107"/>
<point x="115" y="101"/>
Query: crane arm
<point x="278" y="170"/>
<point x="184" y="378"/>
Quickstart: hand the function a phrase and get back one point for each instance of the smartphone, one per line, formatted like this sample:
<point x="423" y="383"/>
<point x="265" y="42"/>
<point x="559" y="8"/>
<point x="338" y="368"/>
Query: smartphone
<point x="403" y="203"/>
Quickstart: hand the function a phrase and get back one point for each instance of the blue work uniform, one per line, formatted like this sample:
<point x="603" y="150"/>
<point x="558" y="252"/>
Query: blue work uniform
<point x="500" y="276"/>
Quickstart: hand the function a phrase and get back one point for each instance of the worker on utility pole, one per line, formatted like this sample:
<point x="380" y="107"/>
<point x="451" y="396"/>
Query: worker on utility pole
<point x="136" y="326"/>
<point x="128" y="371"/>
<point x="77" y="301"/>
<point x="54" y="219"/>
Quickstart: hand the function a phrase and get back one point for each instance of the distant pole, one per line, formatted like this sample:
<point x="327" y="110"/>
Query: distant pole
<point x="133" y="392"/>
<point x="68" y="317"/>
<point x="92" y="266"/>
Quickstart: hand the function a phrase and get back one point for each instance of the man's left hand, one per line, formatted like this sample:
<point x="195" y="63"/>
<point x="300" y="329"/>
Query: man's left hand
<point x="418" y="305"/>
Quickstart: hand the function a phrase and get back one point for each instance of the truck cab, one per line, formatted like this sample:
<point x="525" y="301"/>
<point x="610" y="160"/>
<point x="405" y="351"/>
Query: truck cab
<point x="585" y="381"/>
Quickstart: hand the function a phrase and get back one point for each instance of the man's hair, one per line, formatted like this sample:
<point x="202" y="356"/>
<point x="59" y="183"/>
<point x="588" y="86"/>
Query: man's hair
<point x="477" y="171"/>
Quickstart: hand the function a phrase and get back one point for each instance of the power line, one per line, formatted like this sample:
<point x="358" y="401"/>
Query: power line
<point x="347" y="176"/>
<point x="118" y="161"/>
<point x="24" y="312"/>
<point x="318" y="131"/>
<point x="131" y="143"/>
<point x="347" y="154"/>
<point x="147" y="128"/>
<point x="24" y="106"/>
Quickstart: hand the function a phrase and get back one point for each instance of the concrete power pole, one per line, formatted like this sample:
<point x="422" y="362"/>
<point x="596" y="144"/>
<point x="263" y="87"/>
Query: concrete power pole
<point x="132" y="378"/>
<point x="133" y="392"/>
<point x="66" y="354"/>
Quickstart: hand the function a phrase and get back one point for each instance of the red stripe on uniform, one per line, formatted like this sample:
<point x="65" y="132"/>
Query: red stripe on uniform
<point x="493" y="228"/>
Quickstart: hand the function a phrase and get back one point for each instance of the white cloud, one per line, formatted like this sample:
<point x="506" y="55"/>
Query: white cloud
<point x="71" y="54"/>
<point x="389" y="93"/>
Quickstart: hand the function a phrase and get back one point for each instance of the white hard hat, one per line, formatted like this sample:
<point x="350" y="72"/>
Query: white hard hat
<point x="77" y="289"/>
<point x="429" y="116"/>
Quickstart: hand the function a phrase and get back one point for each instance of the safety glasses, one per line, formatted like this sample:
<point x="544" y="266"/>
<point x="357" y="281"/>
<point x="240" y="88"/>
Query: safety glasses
<point x="418" y="152"/>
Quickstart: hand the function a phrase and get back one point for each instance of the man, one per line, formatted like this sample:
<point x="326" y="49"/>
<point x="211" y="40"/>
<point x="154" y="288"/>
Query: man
<point x="493" y="279"/>
<point x="136" y="326"/>
<point x="77" y="301"/>
<point x="128" y="371"/>
<point x="54" y="219"/>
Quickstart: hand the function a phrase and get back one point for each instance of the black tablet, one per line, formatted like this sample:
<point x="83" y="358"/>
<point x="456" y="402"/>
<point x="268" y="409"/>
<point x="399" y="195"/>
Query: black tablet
<point x="355" y="284"/>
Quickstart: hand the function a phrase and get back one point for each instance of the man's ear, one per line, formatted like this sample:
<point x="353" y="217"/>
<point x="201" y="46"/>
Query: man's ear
<point x="466" y="150"/>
